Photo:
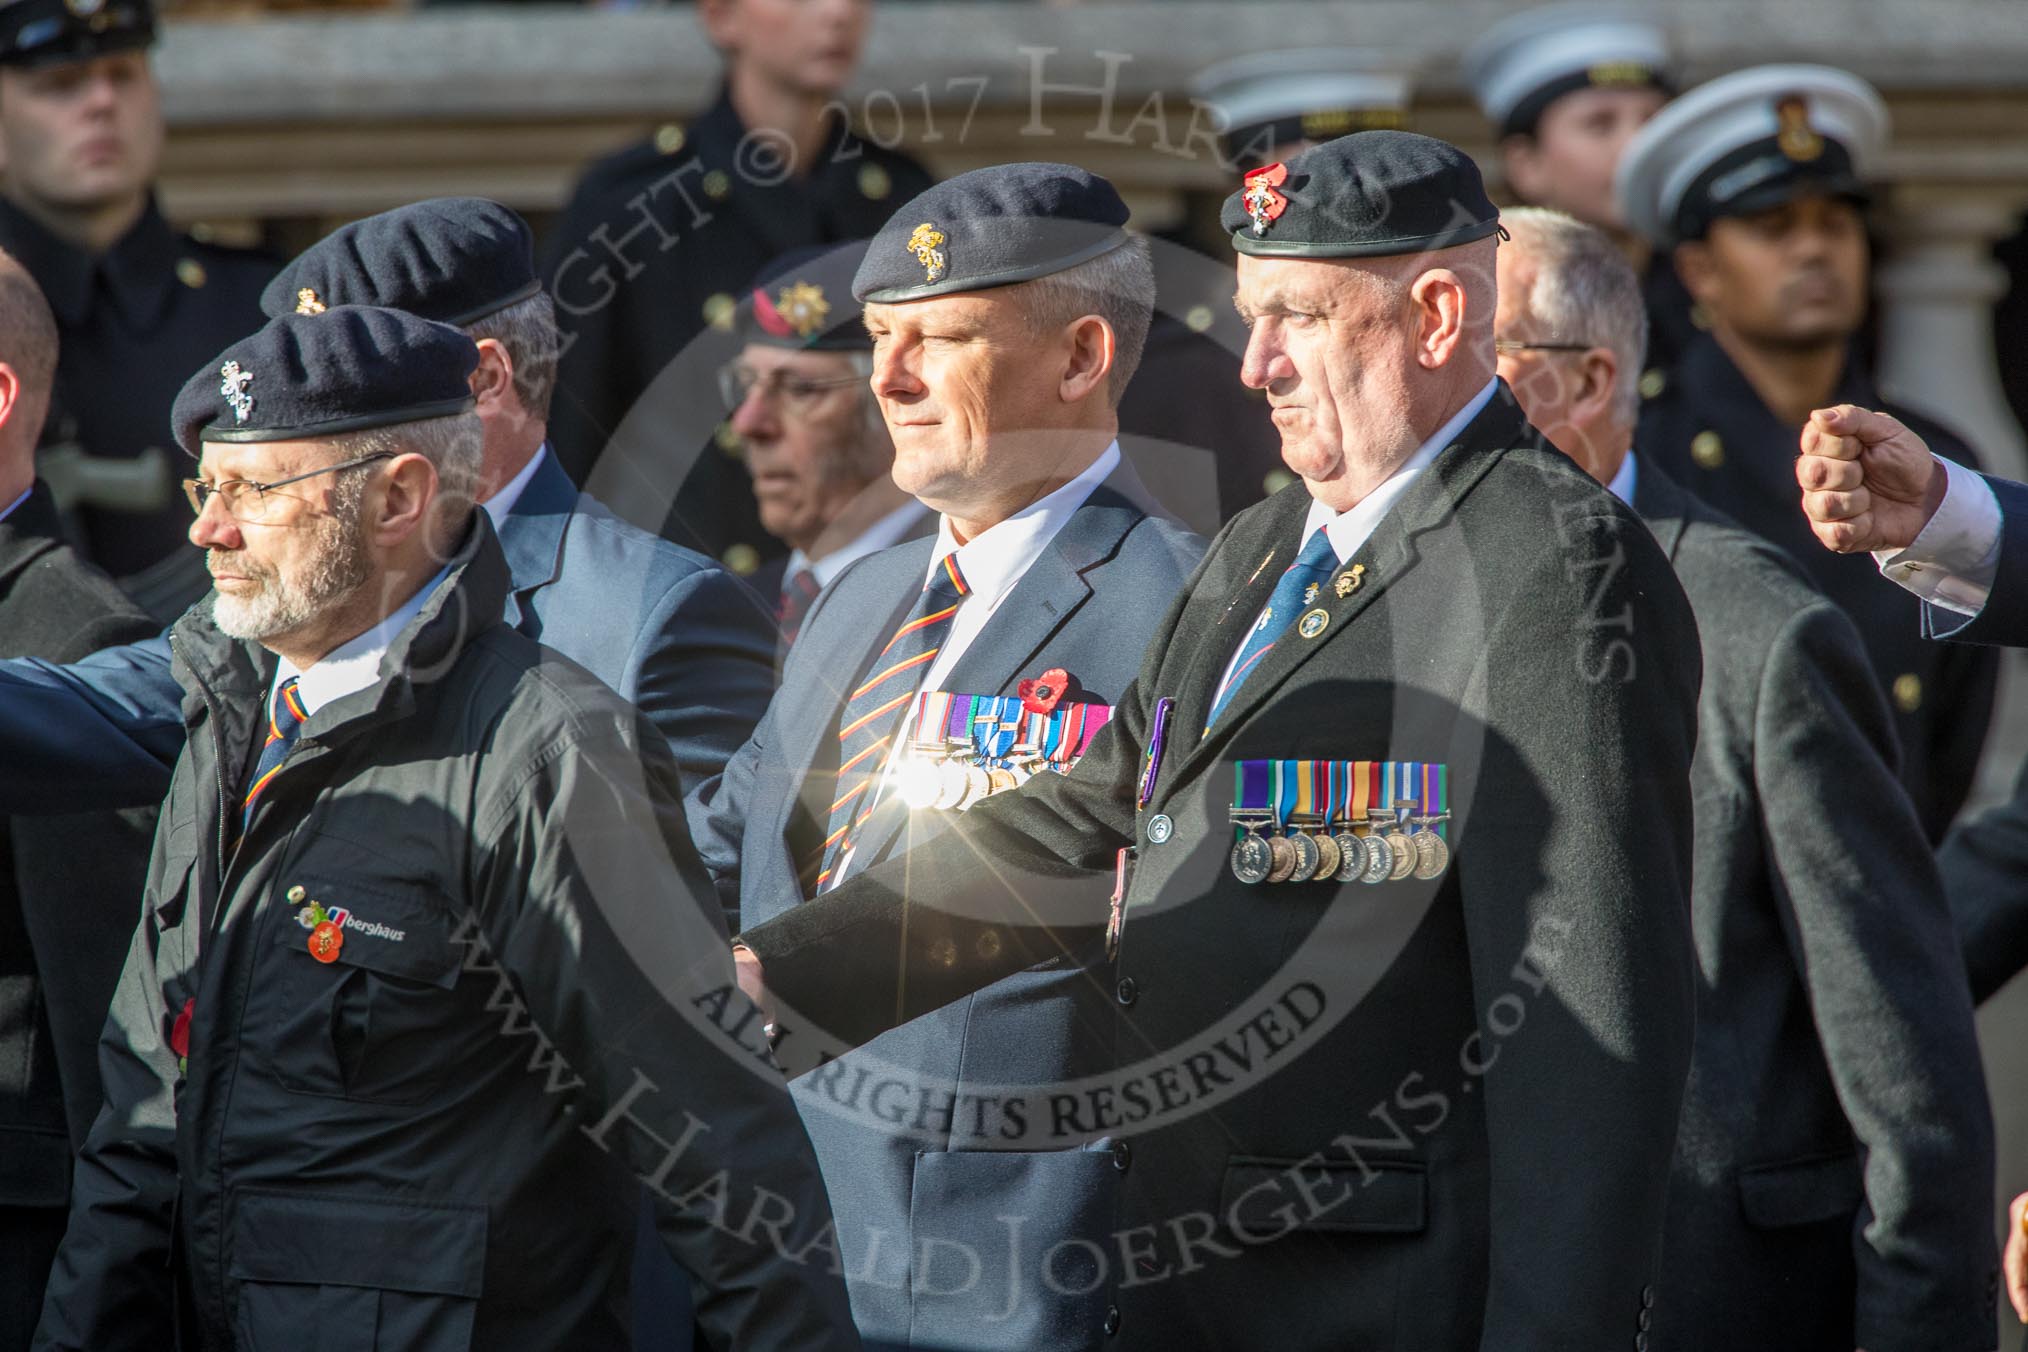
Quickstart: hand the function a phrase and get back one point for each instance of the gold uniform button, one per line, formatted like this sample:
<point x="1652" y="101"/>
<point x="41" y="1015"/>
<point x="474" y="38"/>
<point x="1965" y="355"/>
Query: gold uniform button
<point x="717" y="184"/>
<point x="742" y="559"/>
<point x="718" y="310"/>
<point x="190" y="272"/>
<point x="1707" y="450"/>
<point x="1276" y="481"/>
<point x="1908" y="692"/>
<point x="669" y="138"/>
<point x="874" y="182"/>
<point x="1197" y="318"/>
<point x="1653" y="382"/>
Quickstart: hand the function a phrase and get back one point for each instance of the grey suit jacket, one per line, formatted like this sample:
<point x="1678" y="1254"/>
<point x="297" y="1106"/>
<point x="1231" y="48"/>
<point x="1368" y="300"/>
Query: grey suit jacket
<point x="903" y="1132"/>
<point x="1831" y="1172"/>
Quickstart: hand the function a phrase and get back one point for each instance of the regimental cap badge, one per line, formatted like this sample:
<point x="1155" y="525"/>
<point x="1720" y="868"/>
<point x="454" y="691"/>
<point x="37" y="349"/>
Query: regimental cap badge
<point x="1263" y="204"/>
<point x="233" y="386"/>
<point x="1797" y="138"/>
<point x="307" y="301"/>
<point x="798" y="307"/>
<point x="926" y="244"/>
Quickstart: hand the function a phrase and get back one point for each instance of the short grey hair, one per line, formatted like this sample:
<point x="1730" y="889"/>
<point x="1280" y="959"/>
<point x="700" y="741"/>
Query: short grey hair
<point x="1585" y="291"/>
<point x="1118" y="286"/>
<point x="452" y="444"/>
<point x="527" y="329"/>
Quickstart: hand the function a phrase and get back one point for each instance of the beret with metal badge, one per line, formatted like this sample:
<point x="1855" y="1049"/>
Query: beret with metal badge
<point x="452" y="259"/>
<point x="803" y="300"/>
<point x="1529" y="60"/>
<point x="1747" y="142"/>
<point x="351" y="368"/>
<point x="53" y="32"/>
<point x="992" y="227"/>
<point x="1372" y="194"/>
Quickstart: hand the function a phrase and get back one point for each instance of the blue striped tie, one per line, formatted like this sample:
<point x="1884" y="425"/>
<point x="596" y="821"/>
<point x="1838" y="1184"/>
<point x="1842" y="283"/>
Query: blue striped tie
<point x="877" y="704"/>
<point x="1296" y="589"/>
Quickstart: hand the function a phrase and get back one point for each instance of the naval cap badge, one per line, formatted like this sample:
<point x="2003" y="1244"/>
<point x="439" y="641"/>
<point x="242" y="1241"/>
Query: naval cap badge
<point x="1797" y="138"/>
<point x="923" y="243"/>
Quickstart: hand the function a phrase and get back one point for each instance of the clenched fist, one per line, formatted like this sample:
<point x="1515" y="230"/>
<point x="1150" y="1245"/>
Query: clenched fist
<point x="1868" y="482"/>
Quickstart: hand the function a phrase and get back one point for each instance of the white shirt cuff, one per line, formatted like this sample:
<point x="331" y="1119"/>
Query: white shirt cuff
<point x="1953" y="561"/>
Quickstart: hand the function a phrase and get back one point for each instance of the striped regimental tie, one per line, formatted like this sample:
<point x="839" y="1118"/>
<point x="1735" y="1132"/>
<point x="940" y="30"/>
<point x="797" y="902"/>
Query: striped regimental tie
<point x="285" y="720"/>
<point x="874" y="711"/>
<point x="1297" y="588"/>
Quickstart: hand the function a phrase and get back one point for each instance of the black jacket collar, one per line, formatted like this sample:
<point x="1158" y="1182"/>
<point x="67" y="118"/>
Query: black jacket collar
<point x="139" y="271"/>
<point x="28" y="532"/>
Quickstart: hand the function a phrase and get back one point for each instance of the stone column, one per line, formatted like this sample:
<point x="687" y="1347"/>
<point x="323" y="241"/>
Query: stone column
<point x="1936" y="291"/>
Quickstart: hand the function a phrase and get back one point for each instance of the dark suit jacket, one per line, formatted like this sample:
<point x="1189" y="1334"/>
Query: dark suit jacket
<point x="1410" y="1116"/>
<point x="1831" y="1181"/>
<point x="668" y="629"/>
<point x="903" y="1185"/>
<point x="70" y="887"/>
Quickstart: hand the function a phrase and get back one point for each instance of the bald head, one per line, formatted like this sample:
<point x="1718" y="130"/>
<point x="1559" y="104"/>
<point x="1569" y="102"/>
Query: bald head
<point x="27" y="367"/>
<point x="1362" y="360"/>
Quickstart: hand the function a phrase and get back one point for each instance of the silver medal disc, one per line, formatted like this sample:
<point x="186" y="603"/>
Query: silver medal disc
<point x="1432" y="855"/>
<point x="1351" y="857"/>
<point x="1252" y="860"/>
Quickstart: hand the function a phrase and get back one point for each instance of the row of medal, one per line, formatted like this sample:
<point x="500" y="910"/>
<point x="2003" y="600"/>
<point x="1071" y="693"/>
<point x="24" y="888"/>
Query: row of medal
<point x="1339" y="821"/>
<point x="966" y="748"/>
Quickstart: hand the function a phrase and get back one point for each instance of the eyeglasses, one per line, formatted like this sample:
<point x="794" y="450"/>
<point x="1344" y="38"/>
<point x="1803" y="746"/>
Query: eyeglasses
<point x="1516" y="345"/>
<point x="797" y="394"/>
<point x="247" y="500"/>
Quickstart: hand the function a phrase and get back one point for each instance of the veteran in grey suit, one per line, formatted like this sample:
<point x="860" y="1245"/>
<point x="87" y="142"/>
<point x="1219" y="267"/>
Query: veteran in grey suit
<point x="665" y="627"/>
<point x="999" y="377"/>
<point x="1830" y="1182"/>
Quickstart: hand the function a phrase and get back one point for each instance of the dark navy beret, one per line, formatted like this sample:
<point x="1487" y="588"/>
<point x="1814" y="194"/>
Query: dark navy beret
<point x="451" y="259"/>
<point x="53" y="32"/>
<point x="992" y="227"/>
<point x="346" y="370"/>
<point x="804" y="300"/>
<point x="1368" y="195"/>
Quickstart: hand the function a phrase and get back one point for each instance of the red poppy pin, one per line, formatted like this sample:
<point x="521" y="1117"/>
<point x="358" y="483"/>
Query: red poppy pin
<point x="768" y="317"/>
<point x="1259" y="197"/>
<point x="1040" y="695"/>
<point x="179" y="1034"/>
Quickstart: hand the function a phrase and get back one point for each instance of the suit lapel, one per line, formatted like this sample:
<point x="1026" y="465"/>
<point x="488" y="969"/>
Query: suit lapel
<point x="1015" y="641"/>
<point x="1660" y="503"/>
<point x="532" y="538"/>
<point x="1387" y="556"/>
<point x="28" y="532"/>
<point x="1232" y="592"/>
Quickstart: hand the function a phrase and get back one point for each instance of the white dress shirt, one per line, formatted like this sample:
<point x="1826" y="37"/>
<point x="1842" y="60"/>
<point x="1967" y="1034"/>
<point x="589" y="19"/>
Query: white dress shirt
<point x="1352" y="528"/>
<point x="1953" y="561"/>
<point x="991" y="563"/>
<point x="354" y="664"/>
<point x="888" y="530"/>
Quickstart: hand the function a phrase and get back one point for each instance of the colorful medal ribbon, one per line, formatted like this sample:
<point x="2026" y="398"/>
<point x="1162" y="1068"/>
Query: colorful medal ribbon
<point x="1250" y="791"/>
<point x="1288" y="785"/>
<point x="1158" y="740"/>
<point x="1327" y="771"/>
<point x="1436" y="794"/>
<point x="1363" y="781"/>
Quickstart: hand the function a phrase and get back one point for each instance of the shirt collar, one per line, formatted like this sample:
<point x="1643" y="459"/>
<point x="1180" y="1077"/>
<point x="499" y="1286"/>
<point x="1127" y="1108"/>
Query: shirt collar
<point x="1622" y="486"/>
<point x="8" y="510"/>
<point x="353" y="665"/>
<point x="502" y="502"/>
<point x="993" y="561"/>
<point x="1352" y="528"/>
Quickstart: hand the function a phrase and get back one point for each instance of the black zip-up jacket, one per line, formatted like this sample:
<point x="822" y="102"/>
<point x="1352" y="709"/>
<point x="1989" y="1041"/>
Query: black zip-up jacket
<point x="432" y="1141"/>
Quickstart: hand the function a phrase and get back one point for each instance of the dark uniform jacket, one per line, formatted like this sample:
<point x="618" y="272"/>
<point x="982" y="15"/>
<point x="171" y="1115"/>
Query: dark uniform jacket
<point x="1710" y="432"/>
<point x="1414" y="1115"/>
<point x="70" y="891"/>
<point x="658" y="243"/>
<point x="1831" y="1181"/>
<point x="907" y="1180"/>
<point x="132" y="326"/>
<point x="429" y="1142"/>
<point x="668" y="629"/>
